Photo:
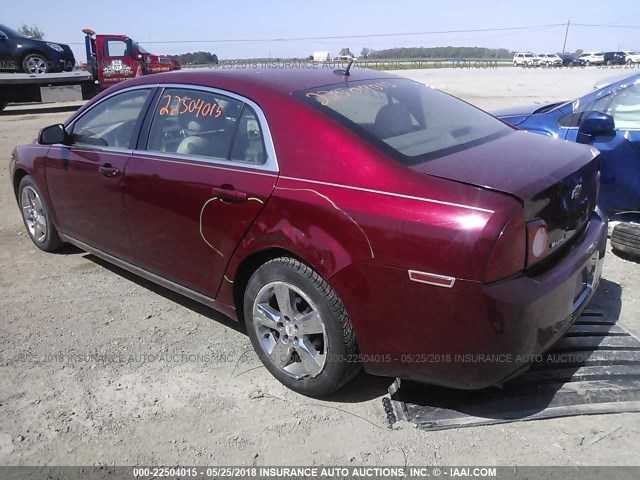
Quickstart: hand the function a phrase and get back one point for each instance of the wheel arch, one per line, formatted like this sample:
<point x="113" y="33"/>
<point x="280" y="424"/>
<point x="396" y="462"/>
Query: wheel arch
<point x="31" y="51"/>
<point x="250" y="264"/>
<point x="18" y="175"/>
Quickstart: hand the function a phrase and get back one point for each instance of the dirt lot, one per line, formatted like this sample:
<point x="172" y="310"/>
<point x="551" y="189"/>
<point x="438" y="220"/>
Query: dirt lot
<point x="208" y="401"/>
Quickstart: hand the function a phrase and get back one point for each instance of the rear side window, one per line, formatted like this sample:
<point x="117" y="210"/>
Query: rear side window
<point x="248" y="143"/>
<point x="206" y="124"/>
<point x="623" y="105"/>
<point x="408" y="120"/>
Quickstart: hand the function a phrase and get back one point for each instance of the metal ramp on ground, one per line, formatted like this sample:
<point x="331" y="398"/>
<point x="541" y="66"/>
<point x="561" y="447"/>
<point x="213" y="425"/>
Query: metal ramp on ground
<point x="593" y="369"/>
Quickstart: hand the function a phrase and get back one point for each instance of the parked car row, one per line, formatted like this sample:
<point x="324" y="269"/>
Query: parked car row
<point x="528" y="59"/>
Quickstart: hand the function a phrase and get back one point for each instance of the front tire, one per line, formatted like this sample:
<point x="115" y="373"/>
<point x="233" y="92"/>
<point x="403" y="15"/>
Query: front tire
<point x="299" y="328"/>
<point x="36" y="63"/>
<point x="36" y="217"/>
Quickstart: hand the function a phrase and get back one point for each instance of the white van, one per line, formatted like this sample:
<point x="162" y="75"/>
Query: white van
<point x="321" y="57"/>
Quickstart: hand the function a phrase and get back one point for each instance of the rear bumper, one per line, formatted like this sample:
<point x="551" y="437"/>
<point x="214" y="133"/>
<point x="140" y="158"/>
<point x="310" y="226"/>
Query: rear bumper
<point x="472" y="335"/>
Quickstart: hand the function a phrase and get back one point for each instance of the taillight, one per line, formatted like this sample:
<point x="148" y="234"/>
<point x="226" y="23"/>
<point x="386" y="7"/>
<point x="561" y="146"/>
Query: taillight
<point x="509" y="253"/>
<point x="537" y="241"/>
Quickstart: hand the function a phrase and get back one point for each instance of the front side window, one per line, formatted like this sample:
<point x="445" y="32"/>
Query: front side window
<point x="411" y="122"/>
<point x="111" y="123"/>
<point x="206" y="124"/>
<point x="115" y="48"/>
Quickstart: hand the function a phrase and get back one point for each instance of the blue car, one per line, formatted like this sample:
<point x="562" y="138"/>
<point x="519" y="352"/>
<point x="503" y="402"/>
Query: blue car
<point x="609" y="120"/>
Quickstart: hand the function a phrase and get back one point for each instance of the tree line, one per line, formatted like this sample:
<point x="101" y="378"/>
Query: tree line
<point x="196" y="58"/>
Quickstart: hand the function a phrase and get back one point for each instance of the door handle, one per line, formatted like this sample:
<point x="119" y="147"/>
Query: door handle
<point x="228" y="193"/>
<point x="108" y="170"/>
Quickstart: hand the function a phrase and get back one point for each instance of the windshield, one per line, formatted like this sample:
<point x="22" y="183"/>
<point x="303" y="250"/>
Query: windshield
<point x="11" y="33"/>
<point x="408" y="120"/>
<point x="141" y="49"/>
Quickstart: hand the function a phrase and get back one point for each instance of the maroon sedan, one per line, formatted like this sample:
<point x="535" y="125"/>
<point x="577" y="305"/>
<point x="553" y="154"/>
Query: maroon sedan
<point x="348" y="220"/>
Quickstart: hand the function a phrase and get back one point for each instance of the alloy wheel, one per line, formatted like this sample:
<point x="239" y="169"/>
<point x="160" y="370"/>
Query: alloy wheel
<point x="33" y="214"/>
<point x="37" y="65"/>
<point x="290" y="330"/>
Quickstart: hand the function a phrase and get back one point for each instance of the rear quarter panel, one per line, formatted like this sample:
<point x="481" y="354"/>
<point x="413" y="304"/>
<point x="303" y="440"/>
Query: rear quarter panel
<point x="339" y="201"/>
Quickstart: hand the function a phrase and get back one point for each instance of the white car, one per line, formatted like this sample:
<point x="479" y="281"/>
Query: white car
<point x="524" y="59"/>
<point x="592" y="58"/>
<point x="345" y="58"/>
<point x="632" y="57"/>
<point x="549" y="59"/>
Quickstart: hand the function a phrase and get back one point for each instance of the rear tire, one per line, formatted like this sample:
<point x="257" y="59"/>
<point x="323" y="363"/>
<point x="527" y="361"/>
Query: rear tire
<point x="299" y="328"/>
<point x="626" y="239"/>
<point x="36" y="217"/>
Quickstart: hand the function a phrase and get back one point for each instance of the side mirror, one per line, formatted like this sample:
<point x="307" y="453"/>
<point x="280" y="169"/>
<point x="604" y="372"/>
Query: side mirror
<point x="595" y="123"/>
<point x="52" y="134"/>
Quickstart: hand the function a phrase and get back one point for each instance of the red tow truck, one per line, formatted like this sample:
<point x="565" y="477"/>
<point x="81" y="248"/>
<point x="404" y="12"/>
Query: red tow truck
<point x="110" y="60"/>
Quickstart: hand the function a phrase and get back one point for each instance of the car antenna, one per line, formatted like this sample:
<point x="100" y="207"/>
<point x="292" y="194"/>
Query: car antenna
<point x="345" y="71"/>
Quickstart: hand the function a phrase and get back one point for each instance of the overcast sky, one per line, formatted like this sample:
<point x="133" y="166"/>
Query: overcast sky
<point x="150" y="21"/>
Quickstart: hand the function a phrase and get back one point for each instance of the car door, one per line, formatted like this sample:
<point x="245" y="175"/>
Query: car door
<point x="620" y="151"/>
<point x="199" y="178"/>
<point x="85" y="179"/>
<point x="116" y="63"/>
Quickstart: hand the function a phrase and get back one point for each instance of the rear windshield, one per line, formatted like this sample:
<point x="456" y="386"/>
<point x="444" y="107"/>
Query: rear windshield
<point x="406" y="119"/>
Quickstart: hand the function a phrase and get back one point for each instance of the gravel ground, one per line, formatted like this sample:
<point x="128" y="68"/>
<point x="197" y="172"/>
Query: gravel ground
<point x="98" y="366"/>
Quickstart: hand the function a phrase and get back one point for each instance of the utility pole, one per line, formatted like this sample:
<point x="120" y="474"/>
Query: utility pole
<point x="566" y="34"/>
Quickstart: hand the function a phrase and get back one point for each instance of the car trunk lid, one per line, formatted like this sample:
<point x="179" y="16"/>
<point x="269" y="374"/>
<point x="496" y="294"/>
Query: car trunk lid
<point x="556" y="181"/>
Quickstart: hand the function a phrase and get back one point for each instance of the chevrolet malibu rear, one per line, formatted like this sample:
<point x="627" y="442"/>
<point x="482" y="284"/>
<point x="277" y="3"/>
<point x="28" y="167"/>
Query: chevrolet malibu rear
<point x="352" y="220"/>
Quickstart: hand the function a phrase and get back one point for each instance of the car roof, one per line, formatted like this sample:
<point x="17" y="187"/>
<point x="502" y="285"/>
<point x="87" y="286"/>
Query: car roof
<point x="279" y="79"/>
